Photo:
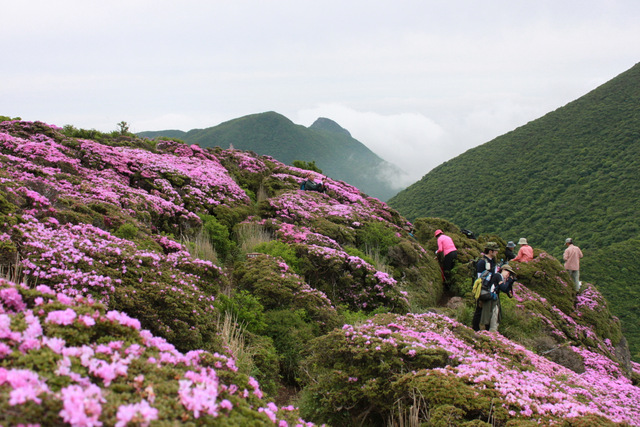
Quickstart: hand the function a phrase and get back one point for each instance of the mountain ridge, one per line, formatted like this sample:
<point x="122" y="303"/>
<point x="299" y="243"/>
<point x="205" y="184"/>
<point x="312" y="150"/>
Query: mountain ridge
<point x="325" y="142"/>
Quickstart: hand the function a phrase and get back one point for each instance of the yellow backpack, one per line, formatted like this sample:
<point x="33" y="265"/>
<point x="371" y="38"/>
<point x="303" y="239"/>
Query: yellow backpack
<point x="477" y="285"/>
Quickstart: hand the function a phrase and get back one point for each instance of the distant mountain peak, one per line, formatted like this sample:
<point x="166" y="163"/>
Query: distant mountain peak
<point x="322" y="123"/>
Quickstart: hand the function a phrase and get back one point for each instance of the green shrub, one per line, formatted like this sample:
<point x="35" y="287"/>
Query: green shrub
<point x="266" y="362"/>
<point x="127" y="231"/>
<point x="376" y="236"/>
<point x="353" y="251"/>
<point x="291" y="331"/>
<point x="279" y="249"/>
<point x="218" y="233"/>
<point x="311" y="166"/>
<point x="245" y="308"/>
<point x="230" y="216"/>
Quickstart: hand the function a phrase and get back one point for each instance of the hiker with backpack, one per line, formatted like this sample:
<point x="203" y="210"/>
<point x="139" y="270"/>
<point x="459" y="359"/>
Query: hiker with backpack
<point x="310" y="185"/>
<point x="485" y="269"/>
<point x="491" y="312"/>
<point x="525" y="253"/>
<point x="447" y="252"/>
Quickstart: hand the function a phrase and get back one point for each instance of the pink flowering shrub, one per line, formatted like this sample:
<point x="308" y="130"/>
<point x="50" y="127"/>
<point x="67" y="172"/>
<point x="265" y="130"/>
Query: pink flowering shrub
<point x="276" y="286"/>
<point x="370" y="367"/>
<point x="172" y="293"/>
<point x="350" y="280"/>
<point x="59" y="366"/>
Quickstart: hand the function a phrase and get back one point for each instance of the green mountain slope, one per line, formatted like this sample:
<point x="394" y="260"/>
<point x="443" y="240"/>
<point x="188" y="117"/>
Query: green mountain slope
<point x="170" y="133"/>
<point x="573" y="172"/>
<point x="333" y="149"/>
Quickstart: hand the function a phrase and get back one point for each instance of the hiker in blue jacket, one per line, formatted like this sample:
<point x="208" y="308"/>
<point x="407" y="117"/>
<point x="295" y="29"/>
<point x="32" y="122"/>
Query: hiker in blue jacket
<point x="487" y="262"/>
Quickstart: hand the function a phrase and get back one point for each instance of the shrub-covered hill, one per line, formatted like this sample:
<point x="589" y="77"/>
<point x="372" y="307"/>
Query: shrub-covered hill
<point x="157" y="283"/>
<point x="574" y="172"/>
<point x="326" y="143"/>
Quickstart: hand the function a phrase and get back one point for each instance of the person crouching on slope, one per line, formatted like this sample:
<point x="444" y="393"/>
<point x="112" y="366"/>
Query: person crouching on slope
<point x="491" y="310"/>
<point x="525" y="253"/>
<point x="447" y="249"/>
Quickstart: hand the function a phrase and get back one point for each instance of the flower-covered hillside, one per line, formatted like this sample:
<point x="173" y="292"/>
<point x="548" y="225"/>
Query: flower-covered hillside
<point x="159" y="283"/>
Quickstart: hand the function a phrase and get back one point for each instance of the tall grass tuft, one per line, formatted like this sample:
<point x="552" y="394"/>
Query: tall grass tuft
<point x="13" y="273"/>
<point x="410" y="417"/>
<point x="379" y="261"/>
<point x="233" y="338"/>
<point x="262" y="194"/>
<point x="251" y="235"/>
<point x="201" y="247"/>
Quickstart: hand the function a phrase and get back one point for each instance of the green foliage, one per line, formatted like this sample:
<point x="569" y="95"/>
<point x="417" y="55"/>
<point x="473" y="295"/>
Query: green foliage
<point x="127" y="231"/>
<point x="516" y="324"/>
<point x="8" y="118"/>
<point x="368" y="400"/>
<point x="311" y="166"/>
<point x="615" y="278"/>
<point x="543" y="275"/>
<point x="339" y="232"/>
<point x="123" y="128"/>
<point x="266" y="362"/>
<point x="218" y="233"/>
<point x="276" y="249"/>
<point x="230" y="216"/>
<point x="245" y="308"/>
<point x="290" y="330"/>
<point x="376" y="236"/>
<point x="449" y="399"/>
<point x="353" y="251"/>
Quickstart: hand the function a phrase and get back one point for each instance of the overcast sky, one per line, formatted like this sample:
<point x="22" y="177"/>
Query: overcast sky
<point x="418" y="82"/>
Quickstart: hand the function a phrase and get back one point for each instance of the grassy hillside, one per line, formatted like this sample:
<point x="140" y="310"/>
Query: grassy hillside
<point x="339" y="155"/>
<point x="170" y="133"/>
<point x="157" y="283"/>
<point x="574" y="172"/>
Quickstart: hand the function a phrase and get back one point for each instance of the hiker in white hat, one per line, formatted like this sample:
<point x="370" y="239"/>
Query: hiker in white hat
<point x="525" y="253"/>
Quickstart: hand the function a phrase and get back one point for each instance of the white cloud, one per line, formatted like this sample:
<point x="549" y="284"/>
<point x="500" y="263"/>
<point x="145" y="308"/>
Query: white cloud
<point x="408" y="140"/>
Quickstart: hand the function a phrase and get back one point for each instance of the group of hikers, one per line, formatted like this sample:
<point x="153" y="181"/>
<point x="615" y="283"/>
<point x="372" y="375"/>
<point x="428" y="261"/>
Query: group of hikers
<point x="492" y="278"/>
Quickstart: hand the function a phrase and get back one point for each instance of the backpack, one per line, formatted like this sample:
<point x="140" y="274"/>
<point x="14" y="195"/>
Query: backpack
<point x="468" y="233"/>
<point x="480" y="289"/>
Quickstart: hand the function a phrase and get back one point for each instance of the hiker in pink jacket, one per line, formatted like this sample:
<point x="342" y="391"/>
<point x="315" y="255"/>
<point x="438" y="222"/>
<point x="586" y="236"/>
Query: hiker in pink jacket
<point x="449" y="253"/>
<point x="525" y="253"/>
<point x="572" y="257"/>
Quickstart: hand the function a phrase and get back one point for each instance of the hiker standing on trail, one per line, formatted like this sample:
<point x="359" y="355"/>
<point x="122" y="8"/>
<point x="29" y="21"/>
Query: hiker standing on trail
<point x="488" y="259"/>
<point x="491" y="310"/>
<point x="572" y="257"/>
<point x="486" y="263"/>
<point x="525" y="253"/>
<point x="508" y="252"/>
<point x="448" y="251"/>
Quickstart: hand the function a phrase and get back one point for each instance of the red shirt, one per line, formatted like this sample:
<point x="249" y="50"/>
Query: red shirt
<point x="525" y="254"/>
